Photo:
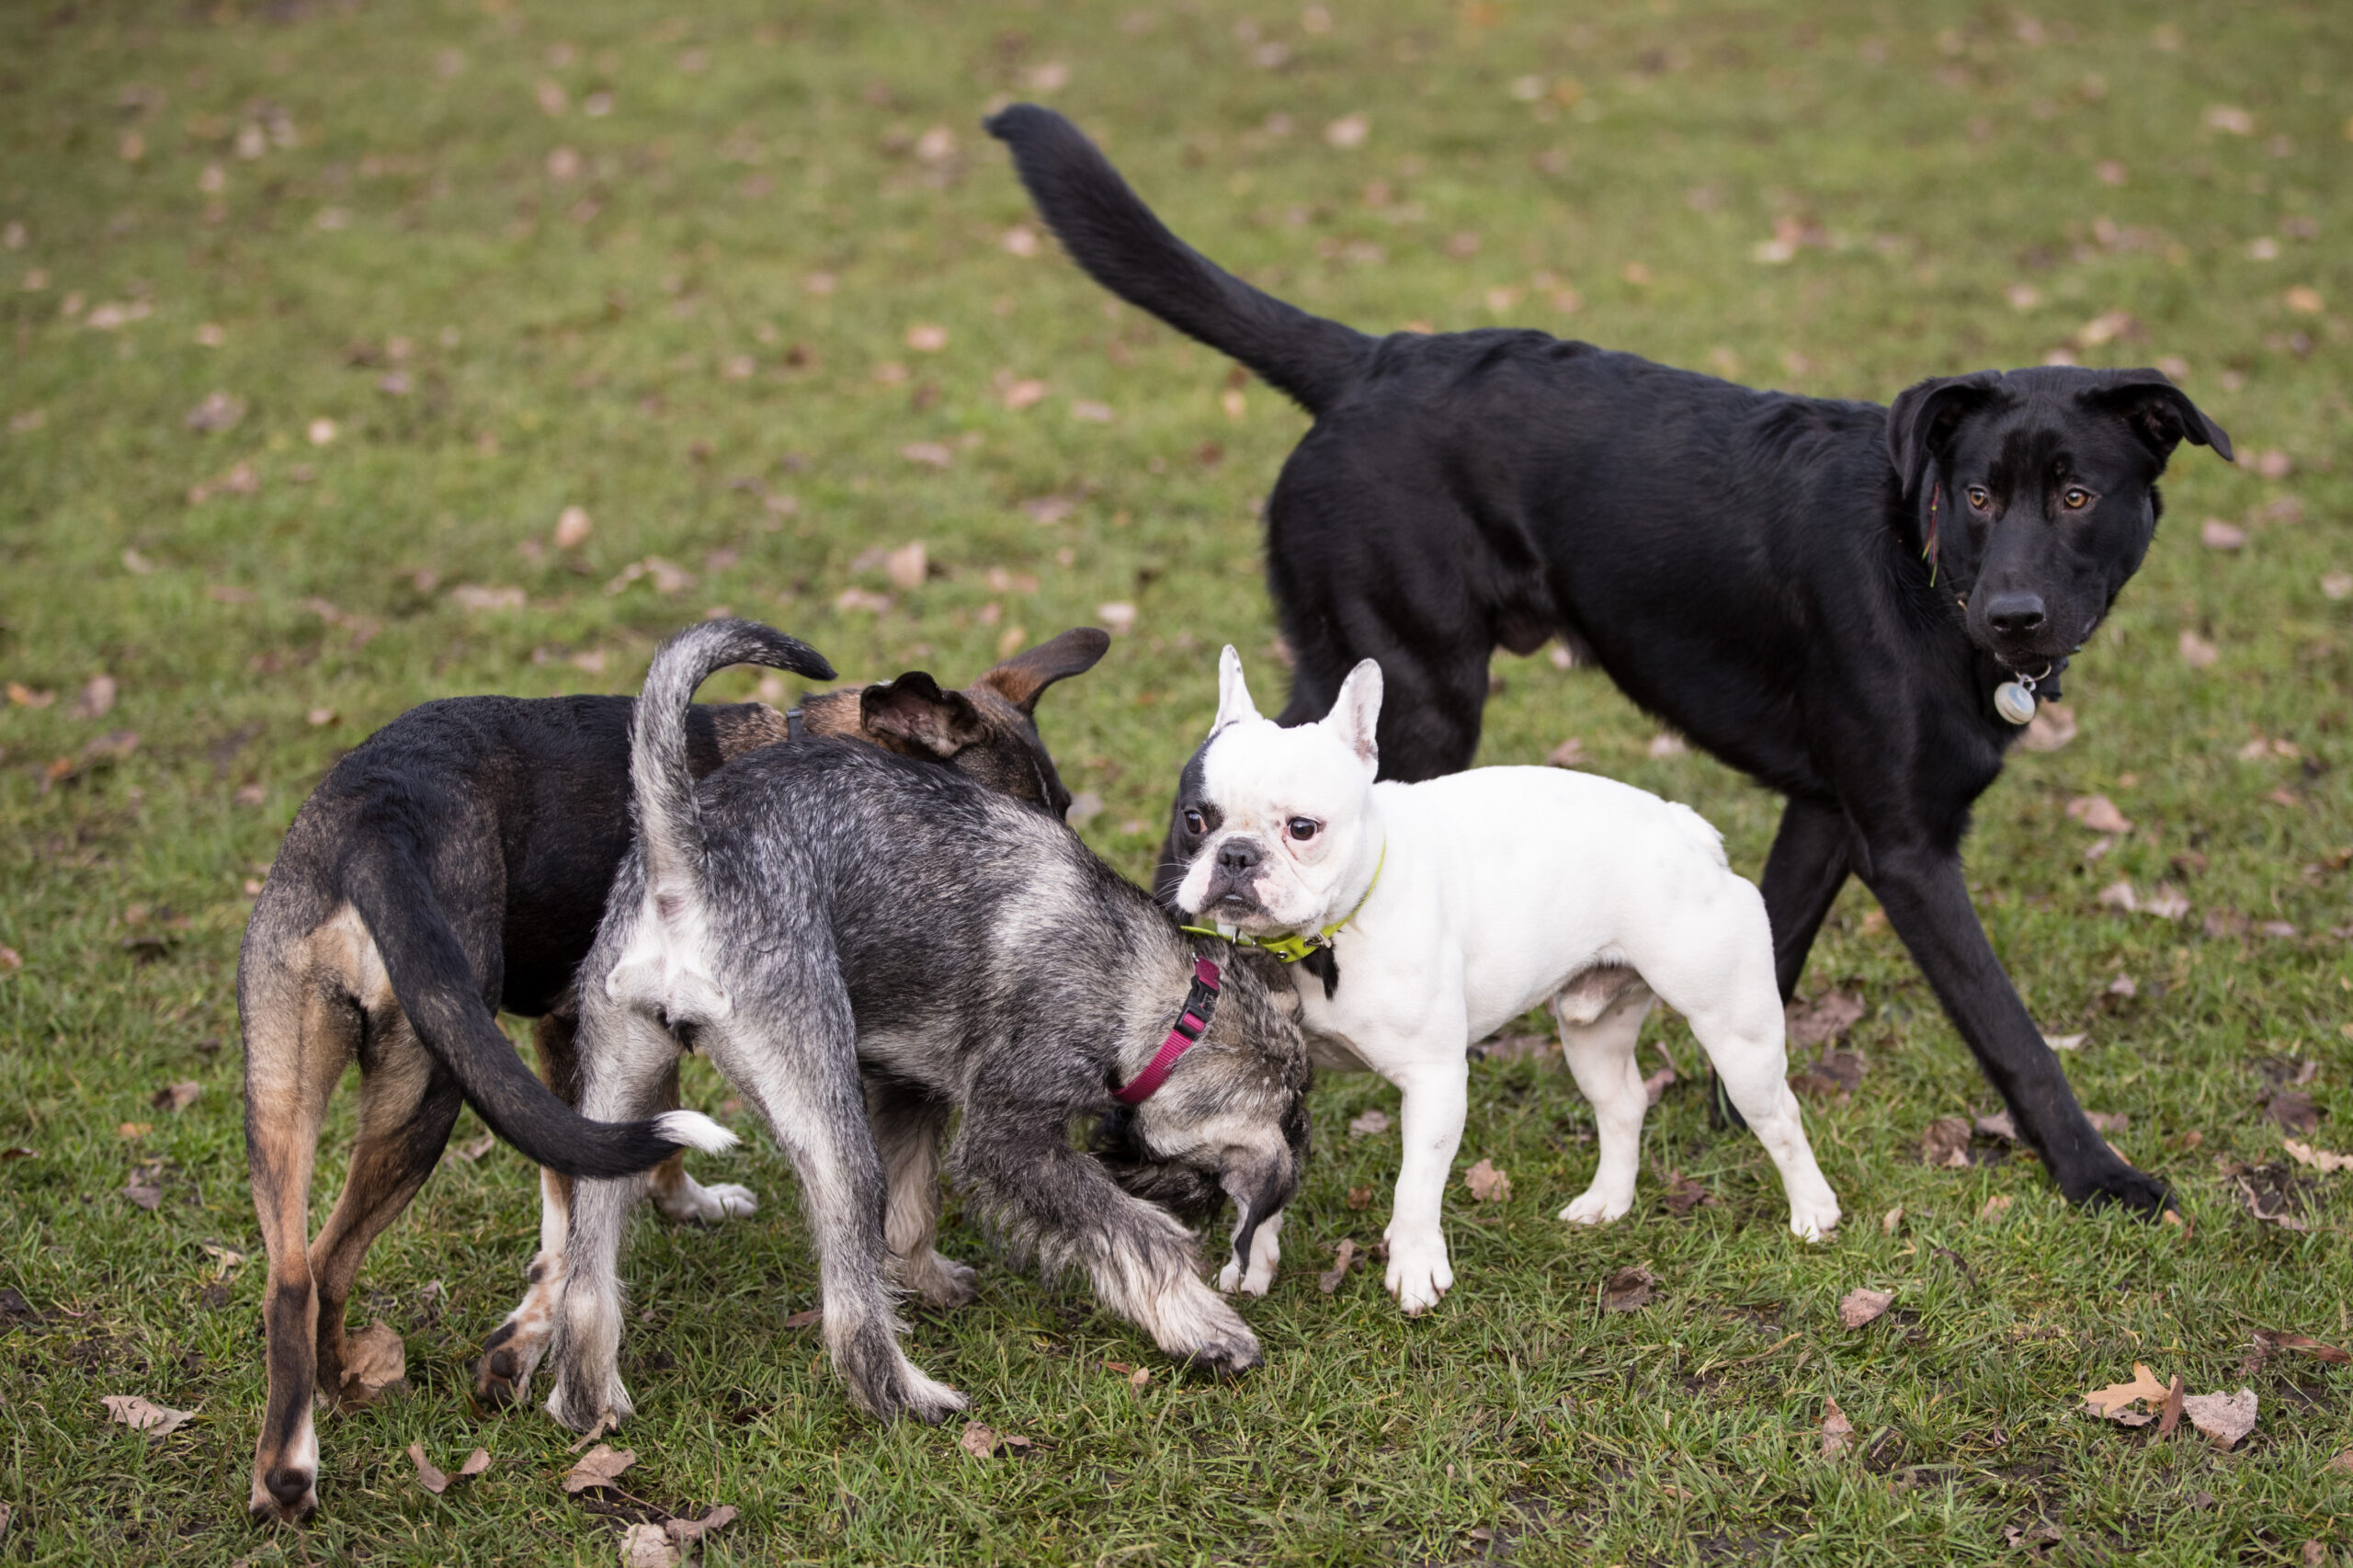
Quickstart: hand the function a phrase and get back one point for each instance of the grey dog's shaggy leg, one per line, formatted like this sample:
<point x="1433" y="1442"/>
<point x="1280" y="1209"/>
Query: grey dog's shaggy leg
<point x="1061" y="1205"/>
<point x="806" y="1084"/>
<point x="908" y="1126"/>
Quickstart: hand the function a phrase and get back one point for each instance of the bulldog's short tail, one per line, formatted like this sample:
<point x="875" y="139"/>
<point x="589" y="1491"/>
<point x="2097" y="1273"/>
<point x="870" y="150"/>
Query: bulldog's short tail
<point x="1109" y="232"/>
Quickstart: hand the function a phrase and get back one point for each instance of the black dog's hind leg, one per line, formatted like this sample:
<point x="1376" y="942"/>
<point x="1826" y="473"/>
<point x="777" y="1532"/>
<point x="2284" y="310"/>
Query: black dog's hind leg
<point x="1802" y="875"/>
<point x="909" y="1124"/>
<point x="1926" y="899"/>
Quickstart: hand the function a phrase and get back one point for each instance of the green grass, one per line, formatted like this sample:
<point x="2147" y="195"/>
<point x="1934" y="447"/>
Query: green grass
<point x="570" y="341"/>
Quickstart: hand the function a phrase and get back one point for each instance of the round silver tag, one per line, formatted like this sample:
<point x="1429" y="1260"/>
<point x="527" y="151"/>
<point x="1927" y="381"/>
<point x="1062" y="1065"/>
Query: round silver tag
<point x="2014" y="703"/>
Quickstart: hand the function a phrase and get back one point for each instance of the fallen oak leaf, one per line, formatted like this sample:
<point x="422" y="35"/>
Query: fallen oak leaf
<point x="428" y="1476"/>
<point x="1837" y="1432"/>
<point x="2225" y="1418"/>
<point x="476" y="1150"/>
<point x="1686" y="1193"/>
<point x="2099" y="814"/>
<point x="1628" y="1290"/>
<point x="144" y="1414"/>
<point x="1369" y="1124"/>
<point x="175" y="1098"/>
<point x="1945" y="1145"/>
<point x="147" y="1195"/>
<point x="2321" y="1160"/>
<point x="1343" y="1257"/>
<point x="687" y="1531"/>
<point x="1823" y="1020"/>
<point x="2114" y="1402"/>
<point x="805" y="1318"/>
<point x="601" y="1466"/>
<point x="476" y="1462"/>
<point x="375" y="1362"/>
<point x="2293" y="1109"/>
<point x="2273" y="1340"/>
<point x="649" y="1546"/>
<point x="2170" y="1417"/>
<point x="1487" y="1184"/>
<point x="1860" y="1306"/>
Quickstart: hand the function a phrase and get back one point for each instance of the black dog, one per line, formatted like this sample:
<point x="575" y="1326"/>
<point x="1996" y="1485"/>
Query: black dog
<point x="1826" y="595"/>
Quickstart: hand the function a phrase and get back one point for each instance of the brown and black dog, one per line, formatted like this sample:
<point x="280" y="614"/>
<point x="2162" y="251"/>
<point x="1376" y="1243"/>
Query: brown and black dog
<point x="456" y="864"/>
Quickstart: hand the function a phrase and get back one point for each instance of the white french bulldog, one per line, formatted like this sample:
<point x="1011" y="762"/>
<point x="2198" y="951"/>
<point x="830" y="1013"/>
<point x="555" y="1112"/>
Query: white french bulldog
<point x="1443" y="910"/>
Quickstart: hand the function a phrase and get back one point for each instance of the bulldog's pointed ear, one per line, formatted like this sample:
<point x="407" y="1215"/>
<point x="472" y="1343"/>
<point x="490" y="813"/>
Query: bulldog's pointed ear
<point x="1234" y="704"/>
<point x="1356" y="715"/>
<point x="1923" y="417"/>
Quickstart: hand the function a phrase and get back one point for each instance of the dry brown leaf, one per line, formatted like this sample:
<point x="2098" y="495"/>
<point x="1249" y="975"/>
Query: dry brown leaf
<point x="2170" y="1416"/>
<point x="145" y="1416"/>
<point x="1568" y="754"/>
<point x="1628" y="1290"/>
<point x="2271" y="1340"/>
<point x="2114" y="1402"/>
<point x="2052" y="726"/>
<point x="1686" y="1193"/>
<point x="1998" y="1125"/>
<point x="2321" y="1160"/>
<point x="175" y="1097"/>
<point x="477" y="1148"/>
<point x="573" y="527"/>
<point x="1837" y="1432"/>
<point x="601" y="1466"/>
<point x="1657" y="1083"/>
<point x="2223" y="1418"/>
<point x="97" y="700"/>
<point x="2197" y="651"/>
<point x="2099" y="814"/>
<point x="866" y="599"/>
<point x="1823" y="1020"/>
<point x="375" y="1362"/>
<point x="218" y="412"/>
<point x="1861" y="1306"/>
<point x="427" y="1475"/>
<point x="908" y="565"/>
<point x="1487" y="1184"/>
<point x="1838" y="1073"/>
<point x="977" y="1440"/>
<point x="649" y="1546"/>
<point x="1369" y="1124"/>
<point x="2343" y="1461"/>
<point x="1945" y="1145"/>
<point x="1343" y="1257"/>
<point x="2216" y="534"/>
<point x="2293" y="1109"/>
<point x="1359" y="1197"/>
<point x="806" y="1318"/>
<point x="1891" y="1220"/>
<point x="476" y="1462"/>
<point x="147" y="1195"/>
<point x="687" y="1531"/>
<point x="1995" y="1207"/>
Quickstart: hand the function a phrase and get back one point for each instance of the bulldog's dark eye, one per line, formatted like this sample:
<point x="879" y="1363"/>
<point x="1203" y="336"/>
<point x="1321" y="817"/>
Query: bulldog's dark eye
<point x="1977" y="496"/>
<point x="1195" y="823"/>
<point x="2075" y="498"/>
<point x="1303" y="828"/>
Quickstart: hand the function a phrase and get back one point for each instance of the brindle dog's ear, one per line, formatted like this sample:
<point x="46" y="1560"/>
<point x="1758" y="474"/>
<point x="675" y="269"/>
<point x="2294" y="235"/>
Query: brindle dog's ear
<point x="1022" y="679"/>
<point x="1924" y="414"/>
<point x="914" y="708"/>
<point x="2159" y="412"/>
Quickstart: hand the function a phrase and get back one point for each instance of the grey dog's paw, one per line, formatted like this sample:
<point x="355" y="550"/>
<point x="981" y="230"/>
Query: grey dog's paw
<point x="946" y="1284"/>
<point x="1226" y="1357"/>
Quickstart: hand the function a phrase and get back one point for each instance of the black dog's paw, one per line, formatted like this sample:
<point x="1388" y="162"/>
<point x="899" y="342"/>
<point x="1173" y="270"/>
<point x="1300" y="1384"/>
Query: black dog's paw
<point x="2139" y="1191"/>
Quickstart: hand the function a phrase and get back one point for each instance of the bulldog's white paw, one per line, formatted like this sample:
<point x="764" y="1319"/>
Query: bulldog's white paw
<point x="1812" y="1219"/>
<point x="1418" y="1271"/>
<point x="1256" y="1282"/>
<point x="1595" y="1206"/>
<point x="693" y="1203"/>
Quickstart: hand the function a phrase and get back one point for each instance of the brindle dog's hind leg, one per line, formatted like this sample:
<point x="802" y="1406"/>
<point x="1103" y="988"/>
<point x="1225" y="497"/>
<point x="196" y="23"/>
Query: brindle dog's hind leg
<point x="301" y="1026"/>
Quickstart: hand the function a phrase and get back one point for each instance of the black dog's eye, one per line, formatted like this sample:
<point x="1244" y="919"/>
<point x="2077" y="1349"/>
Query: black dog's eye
<point x="1977" y="496"/>
<point x="1303" y="828"/>
<point x="1195" y="823"/>
<point x="2075" y="498"/>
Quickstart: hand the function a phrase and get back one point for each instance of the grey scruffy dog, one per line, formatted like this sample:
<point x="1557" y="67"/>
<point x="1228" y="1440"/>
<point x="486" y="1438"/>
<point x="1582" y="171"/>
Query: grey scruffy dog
<point x="814" y="910"/>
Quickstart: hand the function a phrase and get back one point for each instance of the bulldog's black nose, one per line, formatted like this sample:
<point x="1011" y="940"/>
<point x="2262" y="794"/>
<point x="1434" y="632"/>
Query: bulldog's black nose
<point x="1238" y="858"/>
<point x="2015" y="615"/>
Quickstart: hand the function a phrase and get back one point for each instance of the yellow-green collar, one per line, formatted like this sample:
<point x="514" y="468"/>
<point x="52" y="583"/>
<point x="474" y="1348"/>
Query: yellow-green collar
<point x="1293" y="948"/>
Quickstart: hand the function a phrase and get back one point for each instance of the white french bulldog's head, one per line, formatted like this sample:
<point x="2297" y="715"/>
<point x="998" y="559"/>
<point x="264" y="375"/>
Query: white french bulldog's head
<point x="1269" y="820"/>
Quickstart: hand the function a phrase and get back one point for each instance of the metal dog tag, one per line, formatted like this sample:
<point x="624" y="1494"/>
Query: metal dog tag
<point x="2014" y="703"/>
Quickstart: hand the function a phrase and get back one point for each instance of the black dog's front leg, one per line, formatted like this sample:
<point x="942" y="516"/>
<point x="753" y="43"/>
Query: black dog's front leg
<point x="1926" y="900"/>
<point x="1052" y="1201"/>
<point x="1807" y="866"/>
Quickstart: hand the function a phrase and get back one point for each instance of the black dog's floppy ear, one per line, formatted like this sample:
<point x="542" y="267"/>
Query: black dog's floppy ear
<point x="914" y="708"/>
<point x="1023" y="677"/>
<point x="2159" y="412"/>
<point x="1924" y="415"/>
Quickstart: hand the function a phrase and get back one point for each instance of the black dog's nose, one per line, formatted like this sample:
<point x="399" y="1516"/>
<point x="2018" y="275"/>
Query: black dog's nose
<point x="2015" y="614"/>
<point x="1237" y="857"/>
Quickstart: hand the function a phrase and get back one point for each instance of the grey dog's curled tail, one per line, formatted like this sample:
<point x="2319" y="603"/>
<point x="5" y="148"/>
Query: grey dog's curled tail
<point x="669" y="821"/>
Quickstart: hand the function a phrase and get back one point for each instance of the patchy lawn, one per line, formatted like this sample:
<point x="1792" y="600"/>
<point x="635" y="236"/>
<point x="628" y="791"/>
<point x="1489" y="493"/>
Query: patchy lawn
<point x="319" y="317"/>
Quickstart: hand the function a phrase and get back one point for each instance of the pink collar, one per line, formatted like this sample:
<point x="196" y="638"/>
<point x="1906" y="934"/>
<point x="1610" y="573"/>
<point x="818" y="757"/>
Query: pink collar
<point x="1201" y="1004"/>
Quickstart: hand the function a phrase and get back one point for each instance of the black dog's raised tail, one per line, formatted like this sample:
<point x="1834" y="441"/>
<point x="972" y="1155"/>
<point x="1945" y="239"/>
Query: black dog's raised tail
<point x="1109" y="232"/>
<point x="669" y="819"/>
<point x="384" y="877"/>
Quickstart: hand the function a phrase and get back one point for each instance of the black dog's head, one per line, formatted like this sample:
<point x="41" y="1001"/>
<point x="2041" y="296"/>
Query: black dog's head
<point x="2042" y="486"/>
